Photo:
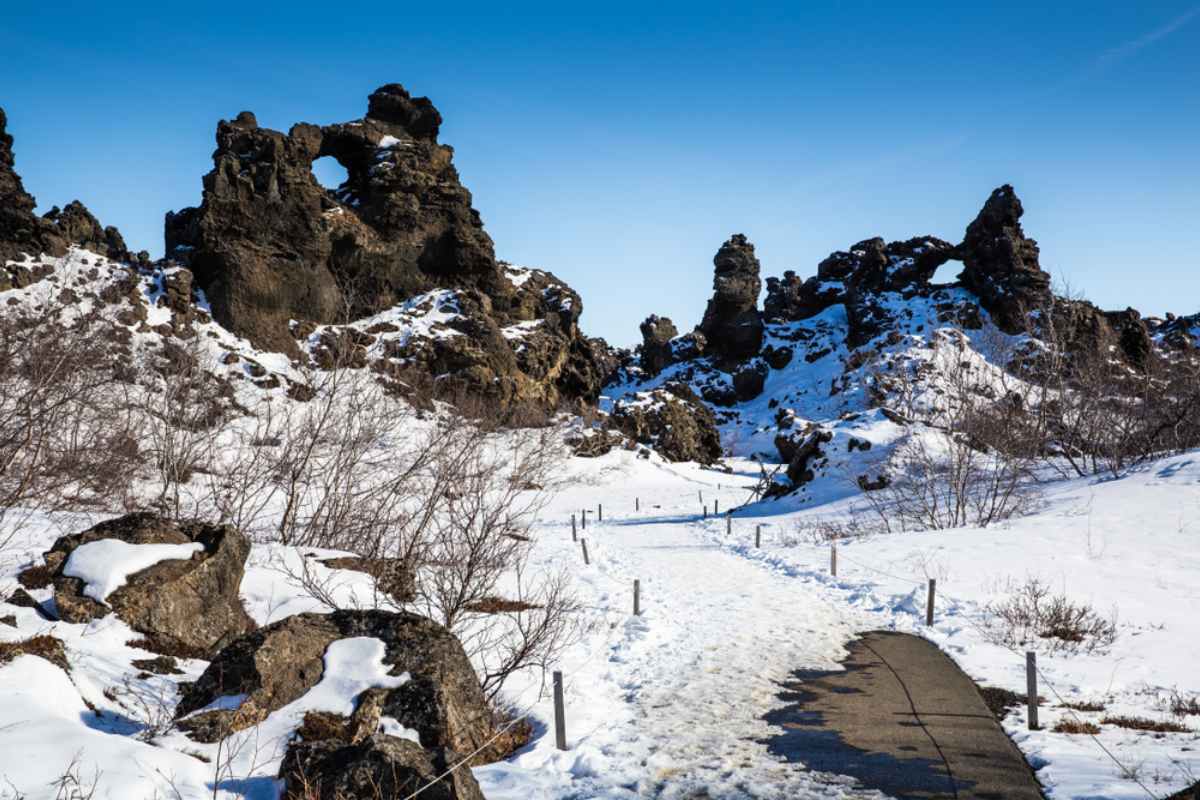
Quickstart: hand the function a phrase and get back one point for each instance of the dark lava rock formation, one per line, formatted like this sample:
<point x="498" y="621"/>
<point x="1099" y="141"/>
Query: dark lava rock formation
<point x="269" y="245"/>
<point x="183" y="607"/>
<point x="672" y="420"/>
<point x="280" y="662"/>
<point x="1001" y="264"/>
<point x="24" y="233"/>
<point x="732" y="324"/>
<point x="377" y="766"/>
<point x="656" y="353"/>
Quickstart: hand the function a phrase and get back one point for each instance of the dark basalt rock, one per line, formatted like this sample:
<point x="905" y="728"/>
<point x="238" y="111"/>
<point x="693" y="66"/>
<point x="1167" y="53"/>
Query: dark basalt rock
<point x="24" y="233"/>
<point x="732" y="324"/>
<point x="269" y="245"/>
<point x="188" y="607"/>
<point x="279" y="663"/>
<point x="1001" y="264"/>
<point x="672" y="420"/>
<point x="379" y="766"/>
<point x="657" y="353"/>
<point x="78" y="226"/>
<point x="748" y="382"/>
<point x="855" y="278"/>
<point x="798" y="452"/>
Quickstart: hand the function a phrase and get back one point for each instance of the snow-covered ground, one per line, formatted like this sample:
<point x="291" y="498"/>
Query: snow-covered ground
<point x="671" y="703"/>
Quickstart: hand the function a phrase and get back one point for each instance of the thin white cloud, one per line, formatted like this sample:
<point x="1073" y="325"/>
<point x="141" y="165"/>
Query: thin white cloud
<point x="1127" y="49"/>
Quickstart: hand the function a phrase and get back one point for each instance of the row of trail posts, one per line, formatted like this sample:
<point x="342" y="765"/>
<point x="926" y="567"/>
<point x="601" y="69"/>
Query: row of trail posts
<point x="560" y="719"/>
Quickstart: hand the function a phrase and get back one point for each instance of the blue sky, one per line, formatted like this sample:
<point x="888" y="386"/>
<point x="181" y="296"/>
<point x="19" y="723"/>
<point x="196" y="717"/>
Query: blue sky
<point x="619" y="145"/>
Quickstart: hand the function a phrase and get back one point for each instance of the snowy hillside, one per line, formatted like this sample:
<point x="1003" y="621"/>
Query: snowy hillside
<point x="672" y="702"/>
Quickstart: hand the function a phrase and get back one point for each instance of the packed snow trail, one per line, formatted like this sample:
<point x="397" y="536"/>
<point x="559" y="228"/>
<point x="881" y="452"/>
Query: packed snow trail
<point x="674" y="706"/>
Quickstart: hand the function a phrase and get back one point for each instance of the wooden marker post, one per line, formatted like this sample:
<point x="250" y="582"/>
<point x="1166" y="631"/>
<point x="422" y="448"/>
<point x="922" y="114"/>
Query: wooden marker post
<point x="758" y="535"/>
<point x="716" y="506"/>
<point x="560" y="717"/>
<point x="929" y="602"/>
<point x="637" y="504"/>
<point x="833" y="559"/>
<point x="728" y="524"/>
<point x="583" y="519"/>
<point x="600" y="512"/>
<point x="1031" y="688"/>
<point x="586" y="561"/>
<point x="637" y="597"/>
<point x="574" y="535"/>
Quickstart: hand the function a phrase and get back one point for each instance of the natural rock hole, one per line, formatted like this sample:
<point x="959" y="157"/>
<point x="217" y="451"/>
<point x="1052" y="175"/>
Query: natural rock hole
<point x="329" y="173"/>
<point x="946" y="273"/>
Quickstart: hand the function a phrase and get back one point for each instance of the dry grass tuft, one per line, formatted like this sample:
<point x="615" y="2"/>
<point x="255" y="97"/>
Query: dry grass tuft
<point x="1144" y="724"/>
<point x="1075" y="726"/>
<point x="1086" y="705"/>
<point x="43" y="646"/>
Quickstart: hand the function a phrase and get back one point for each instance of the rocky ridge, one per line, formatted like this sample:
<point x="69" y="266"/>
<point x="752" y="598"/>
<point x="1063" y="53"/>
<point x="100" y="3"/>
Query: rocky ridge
<point x="798" y="380"/>
<point x="392" y="271"/>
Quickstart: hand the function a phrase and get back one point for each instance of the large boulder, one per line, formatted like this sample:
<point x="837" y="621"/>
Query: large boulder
<point x="672" y="420"/>
<point x="732" y="324"/>
<point x="799" y="450"/>
<point x="378" y="766"/>
<point x="1000" y="265"/>
<point x="279" y="663"/>
<point x="189" y="607"/>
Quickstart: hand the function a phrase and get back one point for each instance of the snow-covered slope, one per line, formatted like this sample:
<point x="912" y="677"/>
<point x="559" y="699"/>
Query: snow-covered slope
<point x="671" y="703"/>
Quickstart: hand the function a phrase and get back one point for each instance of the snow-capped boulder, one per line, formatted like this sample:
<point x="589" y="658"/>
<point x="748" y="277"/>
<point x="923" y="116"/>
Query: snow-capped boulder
<point x="175" y="582"/>
<point x="268" y="669"/>
<point x="379" y="766"/>
<point x="672" y="420"/>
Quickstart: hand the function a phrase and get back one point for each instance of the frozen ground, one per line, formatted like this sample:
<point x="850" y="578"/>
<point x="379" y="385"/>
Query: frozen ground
<point x="670" y="704"/>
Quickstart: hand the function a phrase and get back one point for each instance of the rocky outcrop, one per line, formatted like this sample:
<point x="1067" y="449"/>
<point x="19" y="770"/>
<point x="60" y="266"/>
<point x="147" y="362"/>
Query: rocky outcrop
<point x="672" y="420"/>
<point x="1000" y="265"/>
<point x="23" y="233"/>
<point x="77" y="225"/>
<point x="856" y="278"/>
<point x="379" y="766"/>
<point x="279" y="663"/>
<point x="732" y="324"/>
<point x="183" y="607"/>
<point x="656" y="352"/>
<point x="269" y="245"/>
<point x="800" y="451"/>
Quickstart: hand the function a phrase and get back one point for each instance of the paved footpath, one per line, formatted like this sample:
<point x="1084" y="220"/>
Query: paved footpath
<point x="904" y="719"/>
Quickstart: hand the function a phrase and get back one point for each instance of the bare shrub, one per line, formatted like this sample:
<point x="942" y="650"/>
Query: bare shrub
<point x="1033" y="615"/>
<point x="1093" y="412"/>
<point x="437" y="507"/>
<point x="63" y="444"/>
<point x="823" y="530"/>
<point x="964" y="461"/>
